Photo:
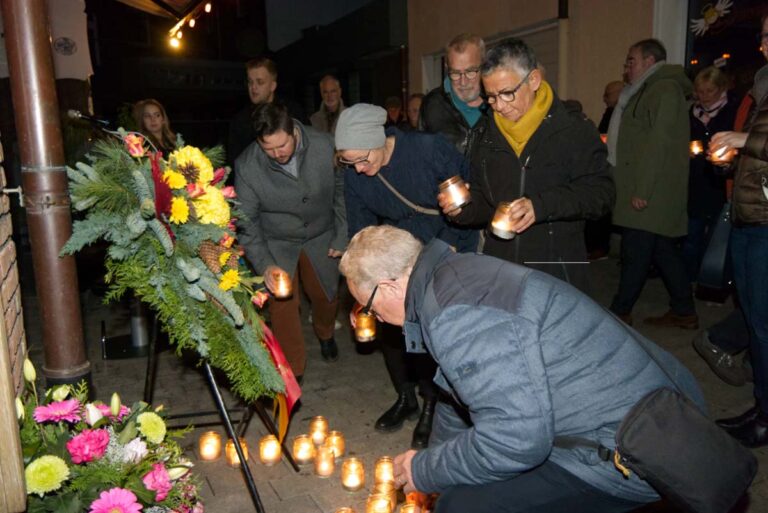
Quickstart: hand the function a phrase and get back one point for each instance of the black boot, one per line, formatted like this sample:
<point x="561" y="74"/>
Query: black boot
<point x="423" y="429"/>
<point x="406" y="406"/>
<point x="739" y="420"/>
<point x="752" y="434"/>
<point x="329" y="350"/>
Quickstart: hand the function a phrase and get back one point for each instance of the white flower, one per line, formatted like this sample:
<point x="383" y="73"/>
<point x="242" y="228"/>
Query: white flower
<point x="92" y="414"/>
<point x="114" y="405"/>
<point x="29" y="371"/>
<point x="61" y="392"/>
<point x="19" y="409"/>
<point x="134" y="451"/>
<point x="176" y="472"/>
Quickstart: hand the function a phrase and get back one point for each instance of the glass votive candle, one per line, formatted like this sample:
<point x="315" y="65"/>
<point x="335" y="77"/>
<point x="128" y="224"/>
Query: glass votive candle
<point x="696" y="148"/>
<point x="209" y="446"/>
<point x="324" y="462"/>
<point x="232" y="458"/>
<point x="352" y="474"/>
<point x="722" y="155"/>
<point x="384" y="471"/>
<point x="365" y="326"/>
<point x="303" y="449"/>
<point x="335" y="442"/>
<point x="344" y="510"/>
<point x="318" y="429"/>
<point x="411" y="507"/>
<point x="456" y="190"/>
<point x="282" y="284"/>
<point x="389" y="490"/>
<point x="269" y="450"/>
<point x="502" y="222"/>
<point x="378" y="503"/>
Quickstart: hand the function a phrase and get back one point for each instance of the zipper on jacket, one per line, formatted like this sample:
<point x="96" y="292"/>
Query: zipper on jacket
<point x="523" y="169"/>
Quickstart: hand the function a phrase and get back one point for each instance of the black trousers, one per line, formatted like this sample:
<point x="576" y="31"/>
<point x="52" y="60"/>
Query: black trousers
<point x="406" y="370"/>
<point x="640" y="249"/>
<point x="545" y="489"/>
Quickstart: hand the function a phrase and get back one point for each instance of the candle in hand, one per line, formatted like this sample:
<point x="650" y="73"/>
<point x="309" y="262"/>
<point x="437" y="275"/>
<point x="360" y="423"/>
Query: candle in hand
<point x="696" y="148"/>
<point x="502" y="222"/>
<point x="282" y="284"/>
<point x="456" y="190"/>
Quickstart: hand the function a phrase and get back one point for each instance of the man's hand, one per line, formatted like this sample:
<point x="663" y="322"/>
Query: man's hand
<point x="335" y="253"/>
<point x="446" y="205"/>
<point x="403" y="476"/>
<point x="269" y="276"/>
<point x="522" y="210"/>
<point x="638" y="204"/>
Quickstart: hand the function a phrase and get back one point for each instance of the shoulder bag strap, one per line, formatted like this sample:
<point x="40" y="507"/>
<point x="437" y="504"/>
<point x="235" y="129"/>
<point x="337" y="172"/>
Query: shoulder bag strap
<point x="420" y="210"/>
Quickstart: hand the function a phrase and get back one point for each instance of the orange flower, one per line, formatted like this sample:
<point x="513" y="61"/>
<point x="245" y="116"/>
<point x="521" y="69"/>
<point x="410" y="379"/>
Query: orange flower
<point x="195" y="190"/>
<point x="228" y="192"/>
<point x="134" y="144"/>
<point x="226" y="240"/>
<point x="259" y="298"/>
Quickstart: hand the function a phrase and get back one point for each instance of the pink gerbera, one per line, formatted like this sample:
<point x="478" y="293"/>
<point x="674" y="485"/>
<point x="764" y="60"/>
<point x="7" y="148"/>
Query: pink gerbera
<point x="68" y="411"/>
<point x="116" y="500"/>
<point x="107" y="412"/>
<point x="158" y="481"/>
<point x="88" y="446"/>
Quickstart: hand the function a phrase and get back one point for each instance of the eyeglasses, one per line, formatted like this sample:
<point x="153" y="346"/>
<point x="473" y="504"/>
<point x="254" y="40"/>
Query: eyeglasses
<point x="363" y="160"/>
<point x="470" y="74"/>
<point x="507" y="96"/>
<point x="367" y="308"/>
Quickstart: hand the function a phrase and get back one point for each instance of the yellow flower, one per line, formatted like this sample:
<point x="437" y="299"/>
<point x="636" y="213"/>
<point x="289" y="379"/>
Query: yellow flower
<point x="151" y="426"/>
<point x="229" y="279"/>
<point x="179" y="211"/>
<point x="174" y="180"/>
<point x="212" y="207"/>
<point x="45" y="474"/>
<point x="224" y="257"/>
<point x="193" y="164"/>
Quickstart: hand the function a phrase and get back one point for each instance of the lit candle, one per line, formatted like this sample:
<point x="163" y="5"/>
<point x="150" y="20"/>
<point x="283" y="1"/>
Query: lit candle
<point x="604" y="138"/>
<point x="318" y="429"/>
<point x="410" y="508"/>
<point x="232" y="457"/>
<point x="722" y="155"/>
<point x="378" y="503"/>
<point x="303" y="449"/>
<point x="282" y="284"/>
<point x="335" y="441"/>
<point x="365" y="326"/>
<point x="209" y="446"/>
<point x="384" y="471"/>
<point x="696" y="148"/>
<point x="269" y="450"/>
<point x="324" y="462"/>
<point x="352" y="474"/>
<point x="389" y="490"/>
<point x="502" y="223"/>
<point x="345" y="510"/>
<point x="456" y="190"/>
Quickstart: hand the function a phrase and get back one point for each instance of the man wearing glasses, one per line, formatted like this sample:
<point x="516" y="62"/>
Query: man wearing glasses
<point x="547" y="161"/>
<point x="456" y="106"/>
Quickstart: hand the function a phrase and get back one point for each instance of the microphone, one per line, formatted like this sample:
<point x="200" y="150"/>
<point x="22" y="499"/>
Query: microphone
<point x="76" y="114"/>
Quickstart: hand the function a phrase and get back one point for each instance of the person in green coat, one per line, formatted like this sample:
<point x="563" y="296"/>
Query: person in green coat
<point x="648" y="139"/>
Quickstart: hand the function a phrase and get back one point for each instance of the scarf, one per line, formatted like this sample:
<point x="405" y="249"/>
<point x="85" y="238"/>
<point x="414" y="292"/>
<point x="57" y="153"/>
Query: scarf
<point x="626" y="94"/>
<point x="705" y="115"/>
<point x="518" y="133"/>
<point x="469" y="113"/>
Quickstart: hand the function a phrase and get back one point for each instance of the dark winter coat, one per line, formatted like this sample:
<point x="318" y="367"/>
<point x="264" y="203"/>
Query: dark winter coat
<point x="563" y="171"/>
<point x="750" y="188"/>
<point x="439" y="116"/>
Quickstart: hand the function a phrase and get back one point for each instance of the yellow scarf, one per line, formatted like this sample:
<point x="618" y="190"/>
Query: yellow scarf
<point x="518" y="133"/>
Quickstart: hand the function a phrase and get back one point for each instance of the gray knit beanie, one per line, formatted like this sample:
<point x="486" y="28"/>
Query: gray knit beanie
<point x="361" y="127"/>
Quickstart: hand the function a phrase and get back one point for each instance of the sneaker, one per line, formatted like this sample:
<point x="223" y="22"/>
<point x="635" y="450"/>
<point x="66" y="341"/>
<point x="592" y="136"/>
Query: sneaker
<point x="671" y="319"/>
<point x="724" y="365"/>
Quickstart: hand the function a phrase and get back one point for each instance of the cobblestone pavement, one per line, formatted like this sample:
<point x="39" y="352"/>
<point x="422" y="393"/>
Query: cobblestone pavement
<point x="351" y="393"/>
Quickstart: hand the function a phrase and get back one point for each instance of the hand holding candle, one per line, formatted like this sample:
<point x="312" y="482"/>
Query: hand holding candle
<point x="453" y="194"/>
<point x="724" y="145"/>
<point x="402" y="471"/>
<point x="278" y="282"/>
<point x="512" y="218"/>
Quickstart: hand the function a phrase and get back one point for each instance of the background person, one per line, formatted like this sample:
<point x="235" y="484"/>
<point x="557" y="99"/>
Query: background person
<point x="332" y="105"/>
<point x="150" y="115"/>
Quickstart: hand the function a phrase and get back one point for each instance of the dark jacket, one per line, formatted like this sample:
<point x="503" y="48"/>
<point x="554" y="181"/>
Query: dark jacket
<point x="706" y="182"/>
<point x="530" y="358"/>
<point x="439" y="116"/>
<point x="750" y="188"/>
<point x="285" y="215"/>
<point x="563" y="170"/>
<point x="417" y="166"/>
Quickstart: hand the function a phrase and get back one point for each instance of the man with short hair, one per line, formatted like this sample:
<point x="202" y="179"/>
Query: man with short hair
<point x="524" y="358"/>
<point x="610" y="98"/>
<point x="648" y="140"/>
<point x="295" y="222"/>
<point x="454" y="108"/>
<point x="331" y="106"/>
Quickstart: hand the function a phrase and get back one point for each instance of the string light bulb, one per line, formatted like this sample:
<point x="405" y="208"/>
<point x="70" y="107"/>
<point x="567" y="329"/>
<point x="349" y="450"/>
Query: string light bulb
<point x="178" y="34"/>
<point x="175" y="43"/>
<point x="726" y="56"/>
<point x="208" y="7"/>
<point x="192" y="23"/>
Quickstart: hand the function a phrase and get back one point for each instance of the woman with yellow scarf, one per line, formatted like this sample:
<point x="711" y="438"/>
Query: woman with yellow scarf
<point x="548" y="161"/>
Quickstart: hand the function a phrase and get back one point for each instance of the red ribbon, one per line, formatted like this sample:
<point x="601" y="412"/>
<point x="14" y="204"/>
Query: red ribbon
<point x="292" y="389"/>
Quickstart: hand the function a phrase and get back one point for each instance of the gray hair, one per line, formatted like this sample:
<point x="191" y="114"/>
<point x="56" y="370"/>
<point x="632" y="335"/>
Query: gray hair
<point x="459" y="44"/>
<point x="379" y="253"/>
<point x="512" y="54"/>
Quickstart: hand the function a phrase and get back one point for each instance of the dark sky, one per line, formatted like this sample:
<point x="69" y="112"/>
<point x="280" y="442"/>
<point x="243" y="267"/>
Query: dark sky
<point x="286" y="18"/>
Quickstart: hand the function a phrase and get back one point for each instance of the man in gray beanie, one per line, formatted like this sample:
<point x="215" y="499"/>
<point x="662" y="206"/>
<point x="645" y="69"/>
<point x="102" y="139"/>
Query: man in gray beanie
<point x="393" y="176"/>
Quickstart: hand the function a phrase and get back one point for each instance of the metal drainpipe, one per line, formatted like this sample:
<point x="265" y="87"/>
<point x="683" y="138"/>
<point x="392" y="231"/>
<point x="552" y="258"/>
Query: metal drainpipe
<point x="44" y="180"/>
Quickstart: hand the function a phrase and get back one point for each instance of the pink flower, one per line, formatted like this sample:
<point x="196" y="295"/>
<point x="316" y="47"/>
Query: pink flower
<point x="198" y="508"/>
<point x="229" y="192"/>
<point x="158" y="480"/>
<point x="88" y="446"/>
<point x="68" y="411"/>
<point x="195" y="190"/>
<point x="134" y="144"/>
<point x="105" y="410"/>
<point x="231" y="225"/>
<point x="116" y="500"/>
<point x="259" y="298"/>
<point x="219" y="175"/>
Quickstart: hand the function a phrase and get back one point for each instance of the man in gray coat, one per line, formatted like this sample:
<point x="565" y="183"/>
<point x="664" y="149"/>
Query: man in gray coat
<point x="295" y="222"/>
<point x="523" y="358"/>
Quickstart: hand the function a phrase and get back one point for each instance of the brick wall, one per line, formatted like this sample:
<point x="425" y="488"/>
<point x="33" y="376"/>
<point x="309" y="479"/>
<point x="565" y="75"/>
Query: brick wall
<point x="10" y="292"/>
